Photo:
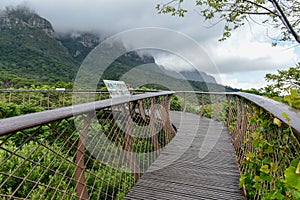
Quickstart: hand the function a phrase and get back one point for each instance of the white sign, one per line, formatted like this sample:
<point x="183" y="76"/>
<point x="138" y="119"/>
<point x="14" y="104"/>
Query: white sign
<point x="116" y="88"/>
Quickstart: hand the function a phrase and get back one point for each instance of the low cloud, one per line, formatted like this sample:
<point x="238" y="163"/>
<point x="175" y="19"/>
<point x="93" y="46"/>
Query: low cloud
<point x="248" y="50"/>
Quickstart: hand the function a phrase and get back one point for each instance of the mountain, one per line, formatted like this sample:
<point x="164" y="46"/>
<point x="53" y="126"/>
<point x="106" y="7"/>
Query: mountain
<point x="195" y="75"/>
<point x="29" y="48"/>
<point x="79" y="44"/>
<point x="32" y="53"/>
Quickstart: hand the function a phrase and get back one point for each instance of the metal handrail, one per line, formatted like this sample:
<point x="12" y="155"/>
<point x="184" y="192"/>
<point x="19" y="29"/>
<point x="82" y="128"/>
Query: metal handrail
<point x="78" y="140"/>
<point x="274" y="107"/>
<point x="254" y="123"/>
<point x="17" y="123"/>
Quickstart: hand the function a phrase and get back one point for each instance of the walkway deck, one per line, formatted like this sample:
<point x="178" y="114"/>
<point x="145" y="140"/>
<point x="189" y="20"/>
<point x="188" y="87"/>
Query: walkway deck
<point x="199" y="163"/>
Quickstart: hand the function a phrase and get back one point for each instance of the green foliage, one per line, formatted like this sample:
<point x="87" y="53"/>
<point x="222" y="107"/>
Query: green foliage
<point x="176" y="103"/>
<point x="285" y="80"/>
<point x="36" y="54"/>
<point x="45" y="158"/>
<point x="236" y="13"/>
<point x="265" y="175"/>
<point x="12" y="109"/>
<point x="292" y="178"/>
<point x="104" y="179"/>
<point x="293" y="99"/>
<point x="287" y="83"/>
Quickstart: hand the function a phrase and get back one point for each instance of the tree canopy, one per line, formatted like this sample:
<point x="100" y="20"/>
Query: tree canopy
<point x="283" y="15"/>
<point x="285" y="80"/>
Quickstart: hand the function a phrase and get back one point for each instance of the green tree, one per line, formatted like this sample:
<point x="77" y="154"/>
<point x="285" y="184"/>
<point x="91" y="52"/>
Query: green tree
<point x="283" y="15"/>
<point x="285" y="82"/>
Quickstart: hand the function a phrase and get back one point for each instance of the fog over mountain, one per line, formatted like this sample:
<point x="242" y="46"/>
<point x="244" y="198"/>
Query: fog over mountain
<point x="32" y="49"/>
<point x="247" y="52"/>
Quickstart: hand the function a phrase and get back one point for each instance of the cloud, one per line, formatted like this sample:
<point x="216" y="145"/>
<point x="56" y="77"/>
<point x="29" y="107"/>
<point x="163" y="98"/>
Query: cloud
<point x="244" y="81"/>
<point x="248" y="50"/>
<point x="252" y="51"/>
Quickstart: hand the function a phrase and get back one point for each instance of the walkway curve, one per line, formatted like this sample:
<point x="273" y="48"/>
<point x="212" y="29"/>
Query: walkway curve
<point x="215" y="176"/>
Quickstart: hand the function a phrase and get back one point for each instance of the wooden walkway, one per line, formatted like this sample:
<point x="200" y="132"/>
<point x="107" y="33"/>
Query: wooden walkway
<point x="199" y="163"/>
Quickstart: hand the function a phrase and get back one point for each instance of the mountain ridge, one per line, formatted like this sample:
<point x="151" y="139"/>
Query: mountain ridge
<point x="32" y="52"/>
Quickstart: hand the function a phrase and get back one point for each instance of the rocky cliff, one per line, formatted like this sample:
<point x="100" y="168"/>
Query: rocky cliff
<point x="21" y="18"/>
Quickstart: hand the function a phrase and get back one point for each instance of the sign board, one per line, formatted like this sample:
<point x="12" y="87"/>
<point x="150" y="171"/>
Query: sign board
<point x="116" y="88"/>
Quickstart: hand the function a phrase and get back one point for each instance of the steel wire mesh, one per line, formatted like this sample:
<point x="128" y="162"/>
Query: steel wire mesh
<point x="95" y="155"/>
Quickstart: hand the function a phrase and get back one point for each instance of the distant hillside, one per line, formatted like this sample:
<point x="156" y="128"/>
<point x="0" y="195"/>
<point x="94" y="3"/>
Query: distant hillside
<point x="29" y="49"/>
<point x="79" y="44"/>
<point x="32" y="53"/>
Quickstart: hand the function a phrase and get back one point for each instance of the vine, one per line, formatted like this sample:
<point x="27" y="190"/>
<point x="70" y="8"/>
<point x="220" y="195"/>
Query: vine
<point x="272" y="168"/>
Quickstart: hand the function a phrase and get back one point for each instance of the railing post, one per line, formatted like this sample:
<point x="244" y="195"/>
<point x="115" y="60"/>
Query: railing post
<point x="229" y="118"/>
<point x="236" y="130"/>
<point x="152" y="126"/>
<point x="80" y="166"/>
<point x="41" y="101"/>
<point x="23" y="97"/>
<point x="9" y="97"/>
<point x="165" y="113"/>
<point x="202" y="106"/>
<point x="29" y="98"/>
<point x="132" y="106"/>
<point x="217" y="108"/>
<point x="142" y="112"/>
<point x="184" y="102"/>
<point x="48" y="100"/>
<point x="129" y="149"/>
<point x="63" y="99"/>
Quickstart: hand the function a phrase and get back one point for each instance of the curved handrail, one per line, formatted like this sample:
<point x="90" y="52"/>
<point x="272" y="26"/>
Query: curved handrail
<point x="261" y="135"/>
<point x="34" y="119"/>
<point x="274" y="107"/>
<point x="68" y="91"/>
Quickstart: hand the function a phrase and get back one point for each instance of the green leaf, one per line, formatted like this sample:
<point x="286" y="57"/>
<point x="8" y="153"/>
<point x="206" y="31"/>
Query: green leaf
<point x="265" y="169"/>
<point x="286" y="116"/>
<point x="292" y="179"/>
<point x="242" y="180"/>
<point x="277" y="195"/>
<point x="298" y="168"/>
<point x="296" y="194"/>
<point x="294" y="93"/>
<point x="277" y="122"/>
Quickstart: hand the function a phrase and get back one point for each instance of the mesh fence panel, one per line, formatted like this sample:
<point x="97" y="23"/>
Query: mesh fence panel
<point x="94" y="155"/>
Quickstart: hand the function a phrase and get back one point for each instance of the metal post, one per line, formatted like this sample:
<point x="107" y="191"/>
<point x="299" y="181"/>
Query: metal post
<point x="153" y="132"/>
<point x="202" y="106"/>
<point x="81" y="184"/>
<point x="128" y="146"/>
<point x="142" y="112"/>
<point x="9" y="97"/>
<point x="217" y="108"/>
<point x="229" y="118"/>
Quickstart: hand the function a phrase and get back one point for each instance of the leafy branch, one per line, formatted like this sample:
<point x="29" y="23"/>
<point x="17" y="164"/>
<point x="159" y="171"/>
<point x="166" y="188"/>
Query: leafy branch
<point x="282" y="15"/>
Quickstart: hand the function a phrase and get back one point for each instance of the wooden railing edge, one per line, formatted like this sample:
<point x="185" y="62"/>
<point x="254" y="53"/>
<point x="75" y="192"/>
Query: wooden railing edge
<point x="276" y="109"/>
<point x="17" y="123"/>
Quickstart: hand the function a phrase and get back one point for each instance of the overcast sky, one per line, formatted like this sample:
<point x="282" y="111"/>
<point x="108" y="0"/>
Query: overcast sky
<point x="242" y="60"/>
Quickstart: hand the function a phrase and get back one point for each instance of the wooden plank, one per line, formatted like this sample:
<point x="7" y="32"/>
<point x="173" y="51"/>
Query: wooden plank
<point x="181" y="173"/>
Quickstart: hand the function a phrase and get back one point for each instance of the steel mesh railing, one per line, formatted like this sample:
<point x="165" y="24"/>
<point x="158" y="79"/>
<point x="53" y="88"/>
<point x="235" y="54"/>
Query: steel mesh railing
<point x="98" y="150"/>
<point x="88" y="151"/>
<point x="265" y="136"/>
<point x="265" y="146"/>
<point x="50" y="99"/>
